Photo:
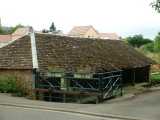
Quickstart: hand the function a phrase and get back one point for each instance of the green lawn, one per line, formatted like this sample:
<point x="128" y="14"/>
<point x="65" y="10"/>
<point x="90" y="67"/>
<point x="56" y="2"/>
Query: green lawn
<point x="155" y="77"/>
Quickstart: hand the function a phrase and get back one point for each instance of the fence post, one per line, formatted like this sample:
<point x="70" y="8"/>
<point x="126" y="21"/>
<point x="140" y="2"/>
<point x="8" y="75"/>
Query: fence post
<point x="121" y="82"/>
<point x="34" y="82"/>
<point x="100" y="87"/>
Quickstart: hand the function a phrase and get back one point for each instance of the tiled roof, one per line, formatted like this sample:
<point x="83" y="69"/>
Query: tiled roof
<point x="16" y="55"/>
<point x="80" y="30"/>
<point x="20" y="32"/>
<point x="71" y="54"/>
<point x="5" y="38"/>
<point x="110" y="36"/>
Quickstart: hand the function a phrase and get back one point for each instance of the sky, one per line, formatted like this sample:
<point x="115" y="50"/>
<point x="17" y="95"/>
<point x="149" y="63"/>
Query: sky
<point x="125" y="17"/>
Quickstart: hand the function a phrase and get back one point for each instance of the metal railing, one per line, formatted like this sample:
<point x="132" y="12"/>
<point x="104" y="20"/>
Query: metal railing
<point x="104" y="85"/>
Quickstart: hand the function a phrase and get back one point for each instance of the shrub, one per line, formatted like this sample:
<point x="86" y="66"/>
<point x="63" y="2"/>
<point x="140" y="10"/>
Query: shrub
<point x="8" y="84"/>
<point x="155" y="77"/>
<point x="157" y="43"/>
<point x="148" y="47"/>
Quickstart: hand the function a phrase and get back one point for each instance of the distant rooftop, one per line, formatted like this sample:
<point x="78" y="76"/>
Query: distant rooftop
<point x="90" y="32"/>
<point x="6" y="39"/>
<point x="78" y="31"/>
<point x="110" y="36"/>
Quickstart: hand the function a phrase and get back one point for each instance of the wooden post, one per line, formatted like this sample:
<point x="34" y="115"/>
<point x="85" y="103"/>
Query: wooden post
<point x="50" y="96"/>
<point x="149" y="74"/>
<point x="121" y="83"/>
<point x="64" y="97"/>
<point x="41" y="96"/>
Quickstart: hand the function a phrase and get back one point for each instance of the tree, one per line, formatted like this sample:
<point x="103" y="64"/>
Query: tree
<point x="52" y="27"/>
<point x="137" y="41"/>
<point x="9" y="30"/>
<point x="45" y="31"/>
<point x="157" y="43"/>
<point x="13" y="29"/>
<point x="156" y="5"/>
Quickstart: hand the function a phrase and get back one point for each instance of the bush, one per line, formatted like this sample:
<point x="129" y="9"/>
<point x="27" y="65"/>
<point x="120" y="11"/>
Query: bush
<point x="155" y="77"/>
<point x="157" y="43"/>
<point x="148" y="47"/>
<point x="8" y="85"/>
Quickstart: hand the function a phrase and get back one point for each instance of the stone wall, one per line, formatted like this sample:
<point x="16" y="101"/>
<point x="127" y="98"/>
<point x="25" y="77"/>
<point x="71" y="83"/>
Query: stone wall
<point x="24" y="79"/>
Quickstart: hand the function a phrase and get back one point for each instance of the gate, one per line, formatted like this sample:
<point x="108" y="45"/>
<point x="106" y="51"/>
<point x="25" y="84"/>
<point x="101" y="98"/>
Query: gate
<point x="65" y="87"/>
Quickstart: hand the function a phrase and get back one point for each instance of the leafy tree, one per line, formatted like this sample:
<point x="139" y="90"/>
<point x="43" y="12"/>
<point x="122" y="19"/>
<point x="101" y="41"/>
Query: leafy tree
<point x="157" y="43"/>
<point x="137" y="41"/>
<point x="52" y="27"/>
<point x="156" y="5"/>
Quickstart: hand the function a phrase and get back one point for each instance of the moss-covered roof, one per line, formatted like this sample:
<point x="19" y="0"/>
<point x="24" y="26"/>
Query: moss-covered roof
<point x="72" y="54"/>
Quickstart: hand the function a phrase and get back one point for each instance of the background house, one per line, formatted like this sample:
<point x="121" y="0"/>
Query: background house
<point x="91" y="32"/>
<point x="84" y="32"/>
<point x="20" y="32"/>
<point x="5" y="39"/>
<point x="109" y="36"/>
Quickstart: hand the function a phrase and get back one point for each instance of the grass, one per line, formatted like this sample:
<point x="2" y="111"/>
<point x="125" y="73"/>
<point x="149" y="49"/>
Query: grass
<point x="155" y="77"/>
<point x="153" y="55"/>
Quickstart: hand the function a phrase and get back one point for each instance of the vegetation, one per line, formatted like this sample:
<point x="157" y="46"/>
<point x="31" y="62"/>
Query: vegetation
<point x="156" y="5"/>
<point x="137" y="41"/>
<point x="157" y="43"/>
<point x="150" y="48"/>
<point x="8" y="85"/>
<point x="45" y="31"/>
<point x="16" y="27"/>
<point x="52" y="27"/>
<point x="155" y="77"/>
<point x="9" y="30"/>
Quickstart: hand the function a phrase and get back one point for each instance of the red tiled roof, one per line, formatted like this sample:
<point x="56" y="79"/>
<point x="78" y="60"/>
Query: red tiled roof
<point x="5" y="38"/>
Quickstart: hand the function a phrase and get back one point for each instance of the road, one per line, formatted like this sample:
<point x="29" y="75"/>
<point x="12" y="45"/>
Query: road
<point x="19" y="113"/>
<point x="144" y="107"/>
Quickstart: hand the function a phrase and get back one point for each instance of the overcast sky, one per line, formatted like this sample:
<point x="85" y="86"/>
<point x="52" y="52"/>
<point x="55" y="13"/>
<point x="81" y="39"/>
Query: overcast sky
<point x="125" y="17"/>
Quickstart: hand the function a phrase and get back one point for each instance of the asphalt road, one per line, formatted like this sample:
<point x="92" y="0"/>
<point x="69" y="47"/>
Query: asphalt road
<point x="144" y="106"/>
<point x="18" y="113"/>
